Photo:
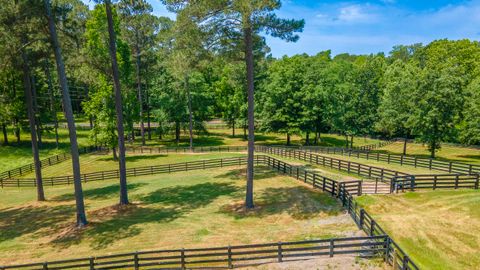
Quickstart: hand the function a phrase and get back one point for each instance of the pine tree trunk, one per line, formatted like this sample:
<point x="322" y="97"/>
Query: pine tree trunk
<point x="177" y="132"/>
<point x="351" y="141"/>
<point x="17" y="130"/>
<point x="405" y="146"/>
<point x="307" y="138"/>
<point x="50" y="95"/>
<point x="118" y="106"/>
<point x="77" y="180"/>
<point x="190" y="113"/>
<point x="288" y="139"/>
<point x="114" y="152"/>
<point x="233" y="128"/>
<point x="244" y="131"/>
<point x="31" y="120"/>
<point x="5" y="134"/>
<point x="139" y="89"/>
<point x="33" y="87"/>
<point x="347" y="141"/>
<point x="251" y="120"/>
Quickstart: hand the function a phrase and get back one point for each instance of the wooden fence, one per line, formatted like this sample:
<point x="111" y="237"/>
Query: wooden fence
<point x="131" y="172"/>
<point x="50" y="161"/>
<point x="53" y="160"/>
<point x="439" y="181"/>
<point x="222" y="257"/>
<point x="429" y="163"/>
<point x="339" y="164"/>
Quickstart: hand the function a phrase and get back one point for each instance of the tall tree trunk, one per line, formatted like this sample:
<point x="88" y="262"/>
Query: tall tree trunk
<point x="31" y="119"/>
<point x="62" y="77"/>
<point x="251" y="120"/>
<point x="244" y="131"/>
<point x="17" y="130"/>
<point x="351" y="141"/>
<point x="233" y="128"/>
<point x="118" y="106"/>
<point x="346" y="140"/>
<point x="5" y="134"/>
<point x="139" y="89"/>
<point x="114" y="152"/>
<point x="307" y="138"/>
<point x="190" y="113"/>
<point x="288" y="139"/>
<point x="36" y="110"/>
<point x="405" y="145"/>
<point x="52" y="102"/>
<point x="177" y="132"/>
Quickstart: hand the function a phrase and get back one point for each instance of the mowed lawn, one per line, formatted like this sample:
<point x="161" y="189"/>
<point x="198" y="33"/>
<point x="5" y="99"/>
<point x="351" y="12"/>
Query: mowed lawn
<point x="447" y="152"/>
<point x="186" y="209"/>
<point x="438" y="229"/>
<point x="96" y="162"/>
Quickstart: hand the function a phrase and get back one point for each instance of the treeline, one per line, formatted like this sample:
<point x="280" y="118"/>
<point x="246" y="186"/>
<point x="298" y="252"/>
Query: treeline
<point x="430" y="93"/>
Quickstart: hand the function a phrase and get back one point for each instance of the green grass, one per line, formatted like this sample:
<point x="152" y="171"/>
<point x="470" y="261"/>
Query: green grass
<point x="19" y="154"/>
<point x="188" y="209"/>
<point x="447" y="153"/>
<point x="438" y="229"/>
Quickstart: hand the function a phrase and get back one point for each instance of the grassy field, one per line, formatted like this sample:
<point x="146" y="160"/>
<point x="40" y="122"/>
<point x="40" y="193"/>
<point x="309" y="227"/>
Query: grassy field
<point x="447" y="153"/>
<point x="187" y="209"/>
<point x="439" y="230"/>
<point x="15" y="155"/>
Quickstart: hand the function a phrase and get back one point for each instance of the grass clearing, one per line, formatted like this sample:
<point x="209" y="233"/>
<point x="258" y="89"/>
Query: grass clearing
<point x="438" y="229"/>
<point x="447" y="152"/>
<point x="186" y="209"/>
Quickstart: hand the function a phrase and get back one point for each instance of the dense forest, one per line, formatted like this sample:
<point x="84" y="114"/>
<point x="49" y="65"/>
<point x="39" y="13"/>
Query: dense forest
<point x="175" y="75"/>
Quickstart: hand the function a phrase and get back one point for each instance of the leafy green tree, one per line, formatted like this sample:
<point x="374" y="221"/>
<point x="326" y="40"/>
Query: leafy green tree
<point x="470" y="127"/>
<point x="396" y="107"/>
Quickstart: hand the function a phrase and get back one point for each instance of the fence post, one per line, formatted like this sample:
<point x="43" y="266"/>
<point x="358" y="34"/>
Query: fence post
<point x="434" y="182"/>
<point x="387" y="248"/>
<point x="359" y="191"/>
<point x="92" y="263"/>
<point x="323" y="184"/>
<point x="456" y="181"/>
<point x="135" y="261"/>
<point x="372" y="227"/>
<point x="362" y="218"/>
<point x="280" y="255"/>
<point x="412" y="182"/>
<point x="45" y="266"/>
<point x="332" y="246"/>
<point x="405" y="262"/>
<point x="182" y="258"/>
<point x="230" y="264"/>
<point x="476" y="180"/>
<point x="314" y="179"/>
<point x="450" y="167"/>
<point x="430" y="164"/>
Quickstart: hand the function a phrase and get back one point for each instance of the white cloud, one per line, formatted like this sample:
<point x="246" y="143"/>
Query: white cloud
<point x="354" y="13"/>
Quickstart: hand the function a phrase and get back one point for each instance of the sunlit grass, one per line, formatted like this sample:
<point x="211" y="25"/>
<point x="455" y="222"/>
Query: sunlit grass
<point x="438" y="229"/>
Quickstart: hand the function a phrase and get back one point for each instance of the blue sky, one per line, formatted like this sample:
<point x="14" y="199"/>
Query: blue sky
<point x="363" y="27"/>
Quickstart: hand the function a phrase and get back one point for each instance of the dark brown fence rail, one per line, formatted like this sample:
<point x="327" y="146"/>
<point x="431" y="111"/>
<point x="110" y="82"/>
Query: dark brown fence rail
<point x="339" y="164"/>
<point x="44" y="163"/>
<point x="439" y="181"/>
<point x="222" y="257"/>
<point x="131" y="172"/>
<point x="429" y="163"/>
<point x="143" y="150"/>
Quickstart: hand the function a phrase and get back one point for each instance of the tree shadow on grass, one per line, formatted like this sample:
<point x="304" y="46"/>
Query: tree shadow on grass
<point x="39" y="220"/>
<point x="298" y="202"/>
<point x="99" y="193"/>
<point x="114" y="223"/>
<point x="111" y="224"/>
<point x="261" y="172"/>
<point x="190" y="197"/>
